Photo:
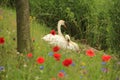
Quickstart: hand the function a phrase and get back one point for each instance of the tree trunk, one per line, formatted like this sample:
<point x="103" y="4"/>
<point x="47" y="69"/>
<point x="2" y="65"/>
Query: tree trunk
<point x="23" y="27"/>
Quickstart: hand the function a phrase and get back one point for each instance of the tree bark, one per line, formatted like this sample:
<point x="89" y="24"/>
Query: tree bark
<point x="23" y="27"/>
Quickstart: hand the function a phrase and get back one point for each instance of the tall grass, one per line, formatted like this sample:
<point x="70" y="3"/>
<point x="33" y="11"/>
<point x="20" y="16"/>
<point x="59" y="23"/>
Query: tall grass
<point x="94" y="21"/>
<point x="20" y="67"/>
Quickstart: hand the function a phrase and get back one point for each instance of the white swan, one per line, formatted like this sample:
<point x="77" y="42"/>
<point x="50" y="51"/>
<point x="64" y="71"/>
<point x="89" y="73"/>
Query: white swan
<point x="50" y="37"/>
<point x="71" y="45"/>
<point x="59" y="39"/>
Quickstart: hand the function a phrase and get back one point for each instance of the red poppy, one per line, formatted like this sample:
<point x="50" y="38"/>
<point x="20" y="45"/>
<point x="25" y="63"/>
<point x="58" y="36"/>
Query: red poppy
<point x="67" y="62"/>
<point x="52" y="32"/>
<point x="61" y="75"/>
<point x="33" y="39"/>
<point x="40" y="60"/>
<point x="90" y="53"/>
<point x="53" y="79"/>
<point x="56" y="48"/>
<point x="106" y="58"/>
<point x="57" y="56"/>
<point x="2" y="40"/>
<point x="29" y="55"/>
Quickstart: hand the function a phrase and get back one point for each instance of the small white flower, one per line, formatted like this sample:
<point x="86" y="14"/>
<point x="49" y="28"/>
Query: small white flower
<point x="18" y="52"/>
<point x="25" y="65"/>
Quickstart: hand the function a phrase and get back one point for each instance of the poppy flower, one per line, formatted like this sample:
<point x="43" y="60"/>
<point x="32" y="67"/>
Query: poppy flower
<point x="56" y="48"/>
<point x="57" y="56"/>
<point x="61" y="75"/>
<point x="29" y="55"/>
<point x="53" y="79"/>
<point x="2" y="40"/>
<point x="33" y="39"/>
<point x="67" y="62"/>
<point x="52" y="32"/>
<point x="40" y="60"/>
<point x="90" y="53"/>
<point x="106" y="58"/>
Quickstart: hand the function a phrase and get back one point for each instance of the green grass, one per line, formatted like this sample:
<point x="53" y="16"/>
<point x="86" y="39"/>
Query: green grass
<point x="85" y="68"/>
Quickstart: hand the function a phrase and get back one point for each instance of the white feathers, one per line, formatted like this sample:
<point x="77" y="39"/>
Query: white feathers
<point x="71" y="45"/>
<point x="60" y="40"/>
<point x="51" y="38"/>
<point x="48" y="37"/>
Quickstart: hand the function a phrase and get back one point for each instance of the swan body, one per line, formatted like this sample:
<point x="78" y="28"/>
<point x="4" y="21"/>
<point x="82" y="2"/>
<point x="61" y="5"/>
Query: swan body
<point x="57" y="38"/>
<point x="48" y="37"/>
<point x="71" y="45"/>
<point x="59" y="41"/>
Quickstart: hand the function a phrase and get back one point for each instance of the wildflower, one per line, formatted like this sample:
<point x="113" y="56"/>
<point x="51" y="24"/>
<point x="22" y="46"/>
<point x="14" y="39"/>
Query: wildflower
<point x="25" y="65"/>
<point x="90" y="53"/>
<point x="57" y="56"/>
<point x="50" y="53"/>
<point x="18" y="53"/>
<point x="83" y="67"/>
<point x="106" y="58"/>
<point x="53" y="78"/>
<point x="52" y="32"/>
<point x="63" y="72"/>
<point x="103" y="63"/>
<point x="2" y="68"/>
<point x="56" y="48"/>
<point x="41" y="67"/>
<point x="81" y="77"/>
<point x="118" y="63"/>
<point x="83" y="64"/>
<point x="37" y="78"/>
<point x="2" y="40"/>
<point x="30" y="18"/>
<point x="104" y="70"/>
<point x="40" y="60"/>
<point x="67" y="62"/>
<point x="61" y="75"/>
<point x="84" y="71"/>
<point x="1" y="17"/>
<point x="29" y="55"/>
<point x="33" y="39"/>
<point x="73" y="64"/>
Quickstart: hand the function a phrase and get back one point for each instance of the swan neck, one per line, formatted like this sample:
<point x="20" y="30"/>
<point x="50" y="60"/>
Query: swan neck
<point x="59" y="30"/>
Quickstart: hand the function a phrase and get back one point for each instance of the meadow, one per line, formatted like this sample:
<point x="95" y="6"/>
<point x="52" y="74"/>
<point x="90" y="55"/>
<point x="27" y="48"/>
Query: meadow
<point x="26" y="66"/>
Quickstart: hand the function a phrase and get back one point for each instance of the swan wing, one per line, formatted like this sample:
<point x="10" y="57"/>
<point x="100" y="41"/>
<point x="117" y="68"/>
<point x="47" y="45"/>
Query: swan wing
<point x="73" y="46"/>
<point x="48" y="37"/>
<point x="60" y="41"/>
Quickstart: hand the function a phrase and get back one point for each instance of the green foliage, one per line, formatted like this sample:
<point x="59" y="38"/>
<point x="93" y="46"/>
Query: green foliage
<point x="8" y="3"/>
<point x="115" y="28"/>
<point x="20" y="67"/>
<point x="94" y="21"/>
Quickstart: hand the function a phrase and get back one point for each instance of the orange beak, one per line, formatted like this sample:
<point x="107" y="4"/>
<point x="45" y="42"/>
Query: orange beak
<point x="65" y="26"/>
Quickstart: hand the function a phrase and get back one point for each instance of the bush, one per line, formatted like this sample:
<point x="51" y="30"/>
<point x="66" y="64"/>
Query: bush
<point x="93" y="21"/>
<point x="115" y="28"/>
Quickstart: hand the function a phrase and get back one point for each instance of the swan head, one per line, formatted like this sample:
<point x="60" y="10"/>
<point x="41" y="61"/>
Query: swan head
<point x="67" y="37"/>
<point x="62" y="22"/>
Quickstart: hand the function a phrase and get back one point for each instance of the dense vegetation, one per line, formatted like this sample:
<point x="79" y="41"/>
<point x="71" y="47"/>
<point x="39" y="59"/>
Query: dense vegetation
<point x="95" y="21"/>
<point x="89" y="64"/>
